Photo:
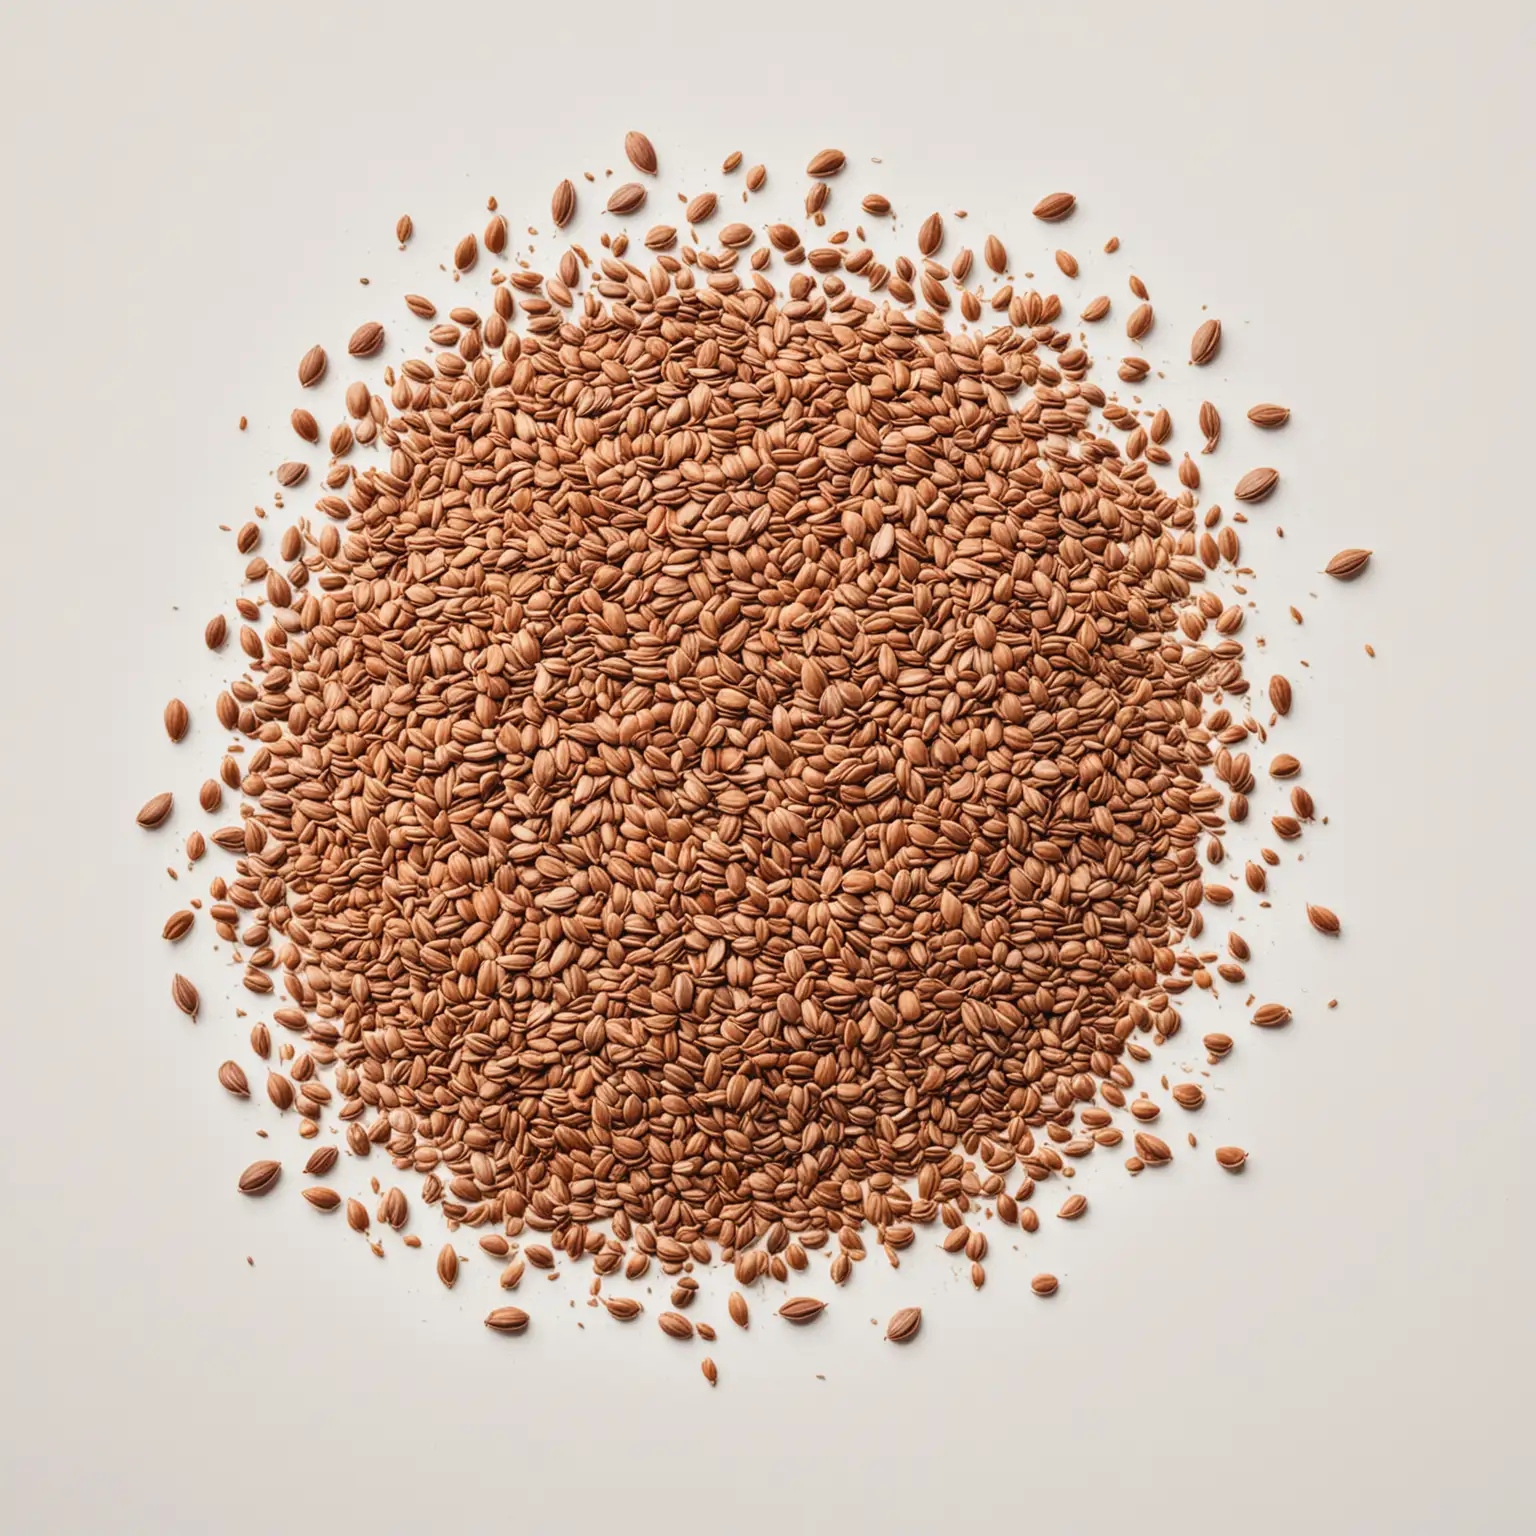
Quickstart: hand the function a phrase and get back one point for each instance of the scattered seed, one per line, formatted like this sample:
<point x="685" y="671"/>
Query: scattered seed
<point x="1348" y="564"/>
<point x="904" y="1325"/>
<point x="312" y="367"/>
<point x="1206" y="342"/>
<point x="1044" y="1285"/>
<point x="155" y="810"/>
<point x="1269" y="416"/>
<point x="500" y="1319"/>
<point x="1323" y="920"/>
<point x="184" y="995"/>
<point x="1231" y="1158"/>
<point x="1055" y="207"/>
<point x="260" y="1178"/>
<point x="1257" y="484"/>
<point x="801" y="1310"/>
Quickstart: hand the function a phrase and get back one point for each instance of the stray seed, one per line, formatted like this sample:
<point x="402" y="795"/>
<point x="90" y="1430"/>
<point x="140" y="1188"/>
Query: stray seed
<point x="801" y="1310"/>
<point x="641" y="152"/>
<point x="155" y="810"/>
<point x="260" y="1178"/>
<point x="448" y="1268"/>
<point x="312" y="367"/>
<point x="737" y="1307"/>
<point x="1348" y="564"/>
<point x="184" y="995"/>
<point x="828" y="163"/>
<point x="1231" y="1158"/>
<point x="1323" y="920"/>
<point x="1269" y="416"/>
<point x="1206" y="342"/>
<point x="501" y="1319"/>
<point x="1055" y="207"/>
<point x="232" y="1080"/>
<point x="711" y="1375"/>
<point x="1044" y="1285"/>
<point x="321" y="1198"/>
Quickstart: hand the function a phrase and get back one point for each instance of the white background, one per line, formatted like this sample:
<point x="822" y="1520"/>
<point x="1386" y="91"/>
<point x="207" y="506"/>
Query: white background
<point x="1340" y="1340"/>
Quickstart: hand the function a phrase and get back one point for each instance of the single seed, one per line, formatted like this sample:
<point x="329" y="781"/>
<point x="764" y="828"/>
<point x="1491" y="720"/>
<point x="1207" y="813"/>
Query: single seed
<point x="801" y="1310"/>
<point x="232" y="1080"/>
<point x="260" y="1178"/>
<point x="312" y="367"/>
<point x="1231" y="1158"/>
<point x="1055" y="207"/>
<point x="904" y="1325"/>
<point x="1257" y="484"/>
<point x="448" y="1266"/>
<point x="640" y="152"/>
<point x="1206" y="342"/>
<point x="1348" y="564"/>
<point x="1044" y="1285"/>
<point x="501" y="1319"/>
<point x="184" y="995"/>
<point x="1323" y="920"/>
<point x="155" y="810"/>
<point x="1270" y="416"/>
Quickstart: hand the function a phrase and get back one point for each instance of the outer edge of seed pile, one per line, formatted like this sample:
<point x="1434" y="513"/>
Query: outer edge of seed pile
<point x="919" y="293"/>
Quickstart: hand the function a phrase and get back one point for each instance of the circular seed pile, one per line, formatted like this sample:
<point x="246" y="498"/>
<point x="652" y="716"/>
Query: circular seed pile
<point x="739" y="761"/>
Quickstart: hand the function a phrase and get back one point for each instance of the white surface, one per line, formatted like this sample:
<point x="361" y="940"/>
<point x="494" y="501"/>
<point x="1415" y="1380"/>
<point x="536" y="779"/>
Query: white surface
<point x="1338" y="1341"/>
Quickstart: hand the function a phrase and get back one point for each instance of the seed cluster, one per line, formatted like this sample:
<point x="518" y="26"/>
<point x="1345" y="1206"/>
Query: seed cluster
<point x="738" y="762"/>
